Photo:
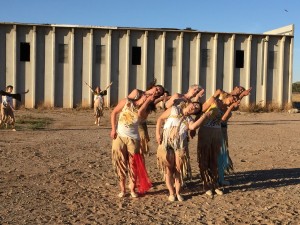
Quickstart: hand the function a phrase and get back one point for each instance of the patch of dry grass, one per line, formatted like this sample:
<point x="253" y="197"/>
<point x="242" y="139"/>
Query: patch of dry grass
<point x="296" y="97"/>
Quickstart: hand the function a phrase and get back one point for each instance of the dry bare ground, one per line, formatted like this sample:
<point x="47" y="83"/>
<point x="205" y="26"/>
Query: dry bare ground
<point x="62" y="175"/>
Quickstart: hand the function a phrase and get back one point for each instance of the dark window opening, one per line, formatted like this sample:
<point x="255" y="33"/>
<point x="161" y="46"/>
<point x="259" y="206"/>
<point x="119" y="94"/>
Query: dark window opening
<point x="205" y="57"/>
<point x="136" y="55"/>
<point x="24" y="52"/>
<point x="63" y="52"/>
<point x="171" y="57"/>
<point x="239" y="59"/>
<point x="272" y="60"/>
<point x="100" y="54"/>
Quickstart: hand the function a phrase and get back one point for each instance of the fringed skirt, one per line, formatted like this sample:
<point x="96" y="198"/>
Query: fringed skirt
<point x="123" y="150"/>
<point x="7" y="115"/>
<point x="225" y="164"/>
<point x="98" y="108"/>
<point x="177" y="160"/>
<point x="144" y="138"/>
<point x="208" y="149"/>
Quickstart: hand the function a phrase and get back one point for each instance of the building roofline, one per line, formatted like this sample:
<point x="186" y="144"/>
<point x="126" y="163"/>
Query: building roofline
<point x="286" y="30"/>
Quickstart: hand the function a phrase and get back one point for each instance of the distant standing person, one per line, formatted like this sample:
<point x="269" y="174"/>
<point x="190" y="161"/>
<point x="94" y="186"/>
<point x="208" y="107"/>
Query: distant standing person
<point x="99" y="102"/>
<point x="7" y="109"/>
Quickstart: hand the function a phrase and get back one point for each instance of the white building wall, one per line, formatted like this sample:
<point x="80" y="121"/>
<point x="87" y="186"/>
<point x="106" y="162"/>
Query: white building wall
<point x="176" y="58"/>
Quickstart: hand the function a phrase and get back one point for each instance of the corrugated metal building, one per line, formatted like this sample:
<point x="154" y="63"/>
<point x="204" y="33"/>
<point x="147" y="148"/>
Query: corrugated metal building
<point x="54" y="61"/>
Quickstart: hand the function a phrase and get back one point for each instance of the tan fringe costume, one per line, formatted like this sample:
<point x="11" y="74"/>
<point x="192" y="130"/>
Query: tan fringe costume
<point x="99" y="103"/>
<point x="208" y="149"/>
<point x="175" y="142"/>
<point x="144" y="137"/>
<point x="7" y="114"/>
<point x="127" y="142"/>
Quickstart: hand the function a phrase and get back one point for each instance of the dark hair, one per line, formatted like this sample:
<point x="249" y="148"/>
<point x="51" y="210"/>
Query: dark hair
<point x="9" y="86"/>
<point x="151" y="107"/>
<point x="162" y="87"/>
<point x="152" y="84"/>
<point x="200" y="109"/>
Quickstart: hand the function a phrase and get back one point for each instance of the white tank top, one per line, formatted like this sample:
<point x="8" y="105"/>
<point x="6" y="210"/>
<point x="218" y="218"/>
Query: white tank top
<point x="128" y="121"/>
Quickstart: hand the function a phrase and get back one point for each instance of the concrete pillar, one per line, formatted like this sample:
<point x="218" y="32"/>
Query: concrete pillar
<point x="163" y="58"/>
<point x="198" y="58"/>
<point x="108" y="71"/>
<point x="214" y="64"/>
<point x="290" y="80"/>
<point x="71" y="70"/>
<point x="14" y="60"/>
<point x="90" y="66"/>
<point x="127" y="64"/>
<point x="248" y="67"/>
<point x="179" y="67"/>
<point x="281" y="72"/>
<point x="231" y="63"/>
<point x="52" y="84"/>
<point x="144" y="60"/>
<point x="32" y="89"/>
<point x="265" y="70"/>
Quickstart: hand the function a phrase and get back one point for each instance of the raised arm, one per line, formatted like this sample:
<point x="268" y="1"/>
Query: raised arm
<point x="245" y="93"/>
<point x="159" y="123"/>
<point x="199" y="95"/>
<point x="89" y="87"/>
<point x="143" y="109"/>
<point x="170" y="102"/>
<point x="113" y="118"/>
<point x="199" y="121"/>
<point x="208" y="103"/>
<point x="229" y="110"/>
<point x="133" y="93"/>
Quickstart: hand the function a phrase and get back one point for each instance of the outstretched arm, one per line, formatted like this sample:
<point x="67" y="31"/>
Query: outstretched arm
<point x="89" y="87"/>
<point x="113" y="118"/>
<point x="25" y="92"/>
<point x="245" y="93"/>
<point x="228" y="113"/>
<point x="143" y="109"/>
<point x="170" y="102"/>
<point x="199" y="121"/>
<point x="159" y="123"/>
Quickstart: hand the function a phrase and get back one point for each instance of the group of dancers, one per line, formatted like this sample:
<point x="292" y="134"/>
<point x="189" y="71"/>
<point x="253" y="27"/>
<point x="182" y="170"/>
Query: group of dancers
<point x="183" y="115"/>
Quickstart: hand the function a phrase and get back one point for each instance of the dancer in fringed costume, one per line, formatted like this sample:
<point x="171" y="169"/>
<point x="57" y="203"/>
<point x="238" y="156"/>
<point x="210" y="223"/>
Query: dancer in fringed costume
<point x="98" y="102"/>
<point x="194" y="93"/>
<point x="210" y="140"/>
<point x="7" y="109"/>
<point x="225" y="164"/>
<point x="153" y="89"/>
<point x="172" y="157"/>
<point x="126" y="156"/>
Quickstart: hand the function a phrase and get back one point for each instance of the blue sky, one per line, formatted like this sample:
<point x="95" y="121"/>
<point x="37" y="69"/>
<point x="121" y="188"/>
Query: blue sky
<point x="252" y="16"/>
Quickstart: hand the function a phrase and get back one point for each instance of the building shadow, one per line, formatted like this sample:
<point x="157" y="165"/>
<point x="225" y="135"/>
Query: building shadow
<point x="264" y="179"/>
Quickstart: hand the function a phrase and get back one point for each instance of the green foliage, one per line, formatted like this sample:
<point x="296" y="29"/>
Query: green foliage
<point x="296" y="87"/>
<point x="32" y="123"/>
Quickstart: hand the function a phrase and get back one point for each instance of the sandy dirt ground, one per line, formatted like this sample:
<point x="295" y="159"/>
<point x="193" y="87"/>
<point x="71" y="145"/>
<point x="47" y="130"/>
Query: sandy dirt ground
<point x="62" y="175"/>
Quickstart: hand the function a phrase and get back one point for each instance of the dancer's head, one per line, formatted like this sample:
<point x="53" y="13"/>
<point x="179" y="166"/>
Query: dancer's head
<point x="9" y="88"/>
<point x="230" y="99"/>
<point x="194" y="90"/>
<point x="97" y="89"/>
<point x="192" y="108"/>
<point x="157" y="89"/>
<point x="237" y="90"/>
